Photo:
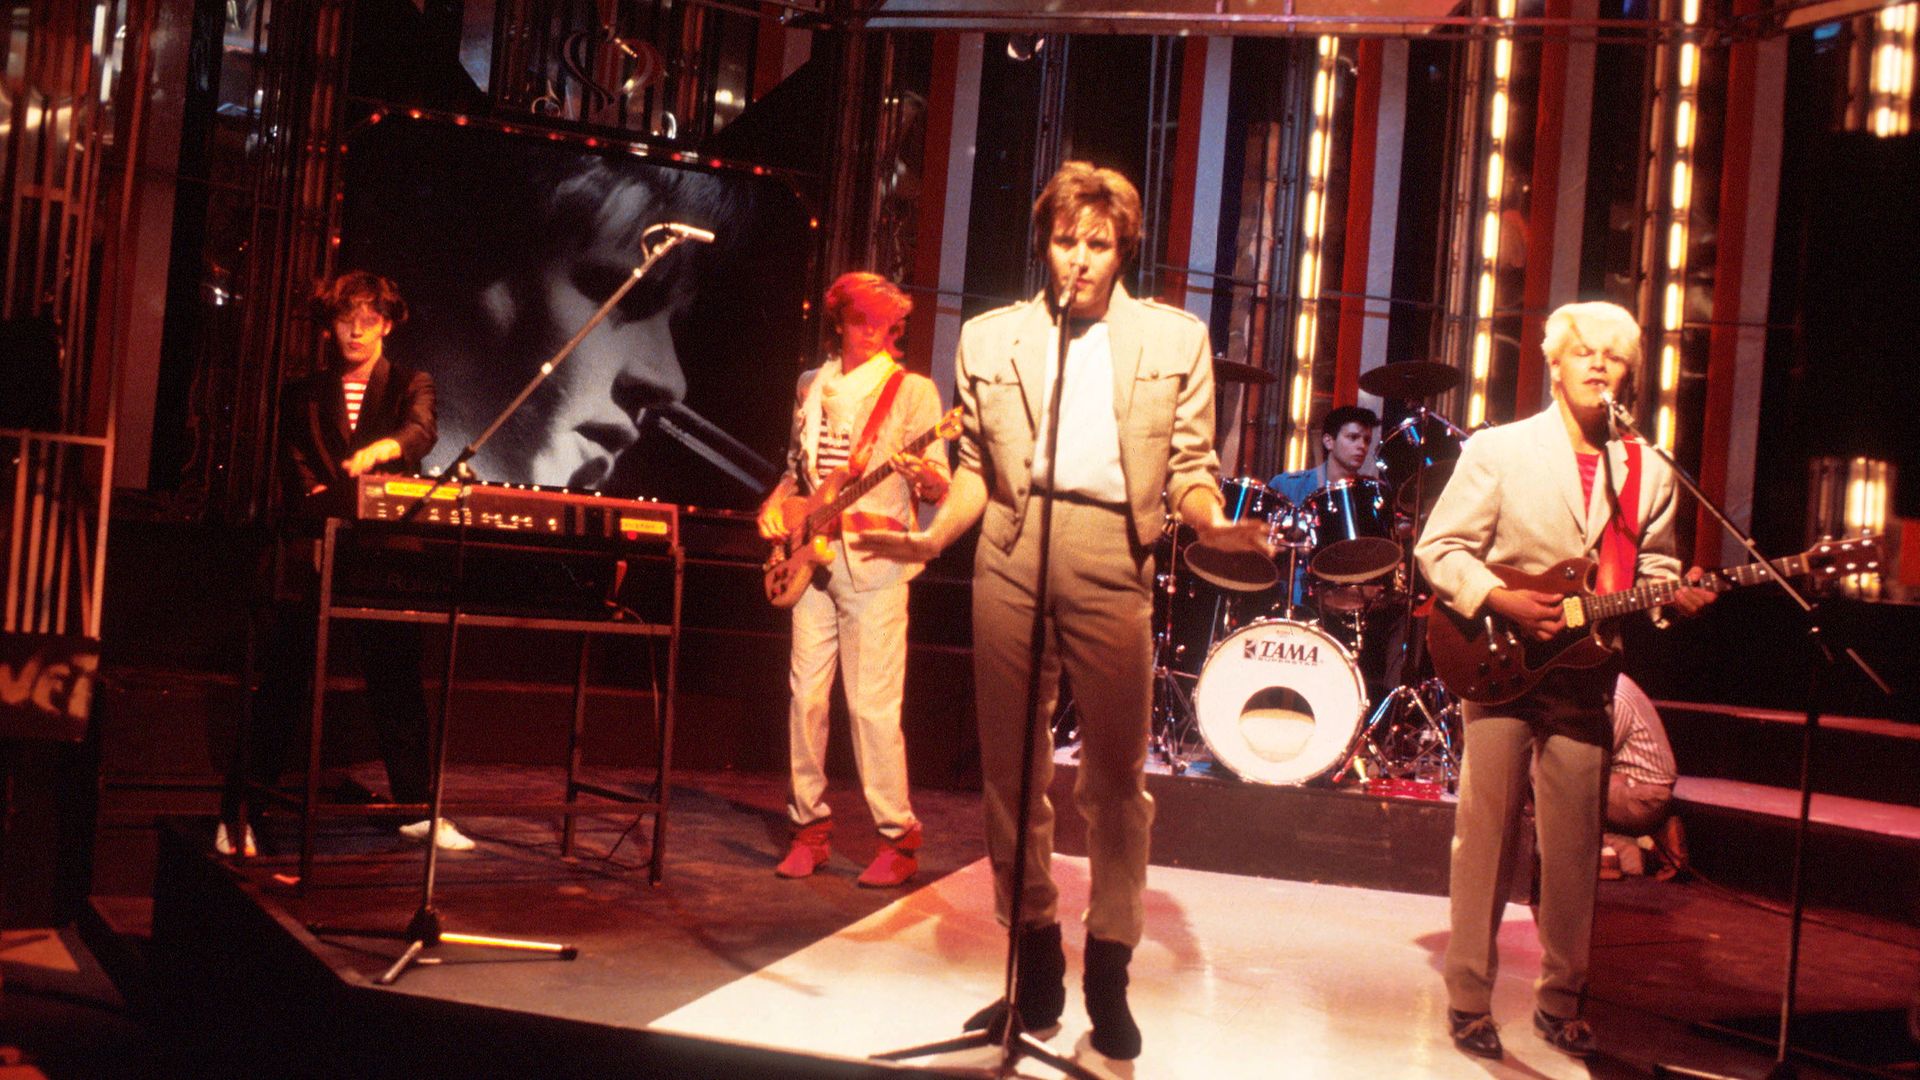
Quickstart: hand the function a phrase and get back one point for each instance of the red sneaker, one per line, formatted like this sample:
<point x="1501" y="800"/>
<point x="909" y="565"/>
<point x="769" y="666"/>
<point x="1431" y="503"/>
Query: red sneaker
<point x="894" y="863"/>
<point x="811" y="846"/>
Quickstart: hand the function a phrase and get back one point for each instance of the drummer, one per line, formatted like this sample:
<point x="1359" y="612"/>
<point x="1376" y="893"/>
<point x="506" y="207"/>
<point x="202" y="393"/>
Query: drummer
<point x="1346" y="444"/>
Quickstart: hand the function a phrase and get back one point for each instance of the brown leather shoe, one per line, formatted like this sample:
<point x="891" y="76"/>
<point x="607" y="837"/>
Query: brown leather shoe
<point x="1569" y="1035"/>
<point x="1475" y="1033"/>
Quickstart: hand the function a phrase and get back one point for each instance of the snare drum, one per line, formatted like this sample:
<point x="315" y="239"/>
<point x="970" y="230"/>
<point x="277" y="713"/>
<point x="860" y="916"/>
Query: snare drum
<point x="1279" y="702"/>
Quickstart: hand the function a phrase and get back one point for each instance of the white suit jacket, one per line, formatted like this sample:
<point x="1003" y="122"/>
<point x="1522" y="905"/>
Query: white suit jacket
<point x="1514" y="500"/>
<point x="1162" y="398"/>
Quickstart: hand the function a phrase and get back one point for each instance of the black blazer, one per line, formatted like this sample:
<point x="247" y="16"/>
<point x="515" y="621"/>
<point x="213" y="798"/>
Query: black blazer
<point x="314" y="438"/>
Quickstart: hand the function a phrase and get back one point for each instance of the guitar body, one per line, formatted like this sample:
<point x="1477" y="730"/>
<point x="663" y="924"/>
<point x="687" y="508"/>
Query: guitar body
<point x="814" y="520"/>
<point x="1485" y="660"/>
<point x="790" y="568"/>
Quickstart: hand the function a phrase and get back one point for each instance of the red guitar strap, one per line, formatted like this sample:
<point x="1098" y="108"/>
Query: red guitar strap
<point x="1620" y="544"/>
<point x="857" y="460"/>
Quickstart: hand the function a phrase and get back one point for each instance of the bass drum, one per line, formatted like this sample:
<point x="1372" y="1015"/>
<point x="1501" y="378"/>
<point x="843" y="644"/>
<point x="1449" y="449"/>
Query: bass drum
<point x="1279" y="702"/>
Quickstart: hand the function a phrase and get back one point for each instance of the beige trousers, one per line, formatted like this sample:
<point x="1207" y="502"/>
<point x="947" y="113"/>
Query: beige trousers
<point x="1569" y="781"/>
<point x="1099" y="611"/>
<point x="864" y="635"/>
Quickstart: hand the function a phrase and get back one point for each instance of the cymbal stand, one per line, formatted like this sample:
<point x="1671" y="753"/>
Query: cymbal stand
<point x="1173" y="718"/>
<point x="1409" y="735"/>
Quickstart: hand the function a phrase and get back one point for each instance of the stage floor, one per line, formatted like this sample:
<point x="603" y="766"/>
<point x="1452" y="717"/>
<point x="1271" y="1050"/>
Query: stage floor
<point x="1238" y="976"/>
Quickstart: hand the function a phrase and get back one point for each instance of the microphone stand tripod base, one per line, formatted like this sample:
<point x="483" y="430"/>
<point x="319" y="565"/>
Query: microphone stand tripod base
<point x="1014" y="1045"/>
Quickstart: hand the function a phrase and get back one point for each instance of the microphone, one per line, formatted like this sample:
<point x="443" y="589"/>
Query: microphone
<point x="1617" y="416"/>
<point x="688" y="232"/>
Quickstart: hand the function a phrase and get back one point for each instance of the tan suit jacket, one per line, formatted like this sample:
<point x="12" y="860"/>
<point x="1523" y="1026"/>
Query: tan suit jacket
<point x="915" y="409"/>
<point x="1514" y="500"/>
<point x="1162" y="398"/>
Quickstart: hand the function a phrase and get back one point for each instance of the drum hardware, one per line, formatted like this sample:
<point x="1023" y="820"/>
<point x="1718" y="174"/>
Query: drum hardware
<point x="1418" y="457"/>
<point x="1410" y="735"/>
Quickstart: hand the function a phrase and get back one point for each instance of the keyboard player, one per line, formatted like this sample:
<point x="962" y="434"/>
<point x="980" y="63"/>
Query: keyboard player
<point x="363" y="411"/>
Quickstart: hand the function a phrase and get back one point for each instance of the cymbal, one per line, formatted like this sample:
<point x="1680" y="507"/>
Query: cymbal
<point x="1410" y="380"/>
<point x="1235" y="371"/>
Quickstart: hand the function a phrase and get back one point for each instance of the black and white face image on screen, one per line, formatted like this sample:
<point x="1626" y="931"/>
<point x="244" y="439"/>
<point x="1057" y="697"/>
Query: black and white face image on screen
<point x="506" y="245"/>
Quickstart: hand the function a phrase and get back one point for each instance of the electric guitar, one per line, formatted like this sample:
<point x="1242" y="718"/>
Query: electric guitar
<point x="813" y="520"/>
<point x="1488" y="660"/>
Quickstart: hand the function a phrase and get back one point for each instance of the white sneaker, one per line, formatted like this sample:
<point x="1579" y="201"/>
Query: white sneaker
<point x="223" y="843"/>
<point x="446" y="838"/>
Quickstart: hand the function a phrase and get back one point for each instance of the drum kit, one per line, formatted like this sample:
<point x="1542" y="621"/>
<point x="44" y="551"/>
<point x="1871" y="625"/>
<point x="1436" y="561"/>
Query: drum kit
<point x="1272" y="680"/>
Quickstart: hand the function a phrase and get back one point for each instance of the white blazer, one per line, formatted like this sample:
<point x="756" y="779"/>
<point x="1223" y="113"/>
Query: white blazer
<point x="1514" y="500"/>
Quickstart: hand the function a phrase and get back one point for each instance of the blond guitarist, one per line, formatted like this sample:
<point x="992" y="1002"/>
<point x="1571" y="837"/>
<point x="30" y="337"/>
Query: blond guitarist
<point x="853" y="414"/>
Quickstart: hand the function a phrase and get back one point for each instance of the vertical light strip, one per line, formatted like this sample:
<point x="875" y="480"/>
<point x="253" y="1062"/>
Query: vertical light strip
<point x="1499" y="112"/>
<point x="1682" y="127"/>
<point x="1313" y="224"/>
<point x="1891" y="105"/>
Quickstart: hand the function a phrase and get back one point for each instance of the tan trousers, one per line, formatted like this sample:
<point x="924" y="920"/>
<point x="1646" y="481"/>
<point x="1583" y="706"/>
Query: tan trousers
<point x="864" y="635"/>
<point x="1569" y="782"/>
<point x="1099" y="611"/>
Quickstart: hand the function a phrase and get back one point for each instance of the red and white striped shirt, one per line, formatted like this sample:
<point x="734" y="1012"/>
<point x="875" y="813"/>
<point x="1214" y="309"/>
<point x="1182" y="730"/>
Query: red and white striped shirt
<point x="355" y="391"/>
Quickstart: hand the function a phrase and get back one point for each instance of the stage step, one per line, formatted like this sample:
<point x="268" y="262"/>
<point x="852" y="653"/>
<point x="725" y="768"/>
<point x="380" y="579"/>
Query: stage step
<point x="1854" y="757"/>
<point x="1862" y="855"/>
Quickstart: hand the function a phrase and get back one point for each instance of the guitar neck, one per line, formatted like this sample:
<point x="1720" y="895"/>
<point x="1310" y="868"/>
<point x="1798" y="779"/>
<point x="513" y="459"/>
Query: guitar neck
<point x="852" y="492"/>
<point x="1626" y="602"/>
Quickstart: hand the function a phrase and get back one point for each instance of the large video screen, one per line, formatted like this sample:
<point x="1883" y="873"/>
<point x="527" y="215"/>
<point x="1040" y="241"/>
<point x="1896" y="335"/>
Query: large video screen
<point x="505" y="245"/>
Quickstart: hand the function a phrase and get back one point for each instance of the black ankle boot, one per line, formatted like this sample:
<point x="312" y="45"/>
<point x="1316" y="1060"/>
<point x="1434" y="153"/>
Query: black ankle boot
<point x="1040" y="977"/>
<point x="1114" y="1032"/>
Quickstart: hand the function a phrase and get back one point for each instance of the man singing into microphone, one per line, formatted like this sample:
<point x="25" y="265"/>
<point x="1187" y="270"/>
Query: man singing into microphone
<point x="1136" y="437"/>
<point x="1527" y="495"/>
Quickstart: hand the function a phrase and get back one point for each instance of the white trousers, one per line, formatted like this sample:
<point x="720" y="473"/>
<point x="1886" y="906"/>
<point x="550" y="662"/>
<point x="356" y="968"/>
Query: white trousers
<point x="864" y="636"/>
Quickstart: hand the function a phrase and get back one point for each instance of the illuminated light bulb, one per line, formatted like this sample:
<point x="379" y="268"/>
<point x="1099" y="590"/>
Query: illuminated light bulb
<point x="1499" y="101"/>
<point x="1490" y="236"/>
<point x="1689" y="64"/>
<point x="1683" y="125"/>
<point x="1320" y="84"/>
<point x="1669" y="366"/>
<point x="1664" y="428"/>
<point x="1482" y="354"/>
<point x="1312" y="216"/>
<point x="1486" y="296"/>
<point x="1503" y="58"/>
<point x="1671" y="309"/>
<point x="1308" y="281"/>
<point x="1499" y="126"/>
<point x="1328" y="45"/>
<point x="1476" y="410"/>
<point x="1690" y="12"/>
<point x="1496" y="174"/>
<point x="1314" y="144"/>
<point x="1507" y="9"/>
<point x="1682" y="190"/>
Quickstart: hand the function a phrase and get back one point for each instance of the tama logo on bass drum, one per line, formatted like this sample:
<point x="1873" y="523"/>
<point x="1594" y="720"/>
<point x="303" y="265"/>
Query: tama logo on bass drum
<point x="1281" y="652"/>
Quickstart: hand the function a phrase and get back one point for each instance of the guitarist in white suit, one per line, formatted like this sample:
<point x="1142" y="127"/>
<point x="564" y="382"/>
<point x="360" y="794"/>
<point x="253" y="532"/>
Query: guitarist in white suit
<point x="853" y="414"/>
<point x="1528" y="495"/>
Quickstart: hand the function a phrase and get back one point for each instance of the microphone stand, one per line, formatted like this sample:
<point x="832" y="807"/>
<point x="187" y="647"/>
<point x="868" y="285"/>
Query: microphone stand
<point x="1014" y="1041"/>
<point x="424" y="930"/>
<point x="1825" y="658"/>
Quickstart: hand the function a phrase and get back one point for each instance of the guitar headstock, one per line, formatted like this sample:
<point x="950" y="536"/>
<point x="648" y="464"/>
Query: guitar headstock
<point x="949" y="425"/>
<point x="1845" y="557"/>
